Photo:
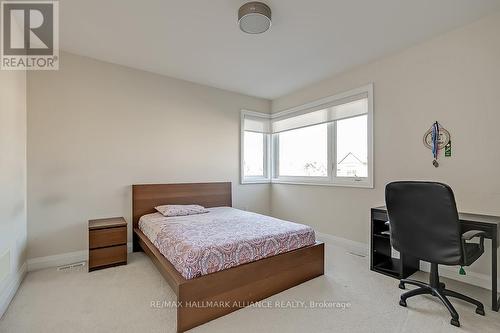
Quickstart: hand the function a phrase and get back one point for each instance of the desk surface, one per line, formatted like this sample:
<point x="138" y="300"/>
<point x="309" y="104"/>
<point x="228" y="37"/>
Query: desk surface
<point x="467" y="217"/>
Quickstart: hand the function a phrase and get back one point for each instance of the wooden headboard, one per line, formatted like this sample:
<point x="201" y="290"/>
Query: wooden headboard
<point x="146" y="197"/>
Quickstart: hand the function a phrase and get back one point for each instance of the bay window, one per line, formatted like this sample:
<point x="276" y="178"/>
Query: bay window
<point x="326" y="142"/>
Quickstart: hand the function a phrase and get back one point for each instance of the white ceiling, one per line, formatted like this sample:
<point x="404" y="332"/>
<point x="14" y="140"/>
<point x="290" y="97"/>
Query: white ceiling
<point x="199" y="40"/>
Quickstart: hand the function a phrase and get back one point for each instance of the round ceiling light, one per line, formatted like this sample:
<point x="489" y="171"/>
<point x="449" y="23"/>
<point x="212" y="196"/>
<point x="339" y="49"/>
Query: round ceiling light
<point x="254" y="17"/>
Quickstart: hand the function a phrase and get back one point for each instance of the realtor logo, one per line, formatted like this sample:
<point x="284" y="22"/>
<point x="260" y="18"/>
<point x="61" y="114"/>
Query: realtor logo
<point x="29" y="35"/>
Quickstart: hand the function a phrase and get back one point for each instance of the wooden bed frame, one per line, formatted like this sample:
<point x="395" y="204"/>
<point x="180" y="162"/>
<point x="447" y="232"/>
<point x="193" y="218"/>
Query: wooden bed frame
<point x="229" y="289"/>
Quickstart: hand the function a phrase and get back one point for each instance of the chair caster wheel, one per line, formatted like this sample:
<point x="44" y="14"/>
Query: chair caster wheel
<point x="480" y="311"/>
<point x="401" y="285"/>
<point x="455" y="322"/>
<point x="402" y="303"/>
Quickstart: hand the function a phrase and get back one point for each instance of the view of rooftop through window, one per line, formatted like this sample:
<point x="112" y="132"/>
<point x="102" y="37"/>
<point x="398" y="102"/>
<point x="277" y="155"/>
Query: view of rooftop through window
<point x="352" y="149"/>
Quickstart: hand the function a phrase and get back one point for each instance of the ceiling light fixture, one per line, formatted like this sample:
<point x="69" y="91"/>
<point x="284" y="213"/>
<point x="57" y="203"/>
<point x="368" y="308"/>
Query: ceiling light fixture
<point x="254" y="17"/>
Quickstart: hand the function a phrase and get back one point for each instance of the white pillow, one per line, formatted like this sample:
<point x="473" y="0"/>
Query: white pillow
<point x="181" y="210"/>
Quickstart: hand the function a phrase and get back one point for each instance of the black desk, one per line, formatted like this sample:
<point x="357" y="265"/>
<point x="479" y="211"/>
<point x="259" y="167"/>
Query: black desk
<point x="382" y="262"/>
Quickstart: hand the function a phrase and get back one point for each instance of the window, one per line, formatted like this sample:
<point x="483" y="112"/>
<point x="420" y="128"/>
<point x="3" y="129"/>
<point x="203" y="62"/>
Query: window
<point x="352" y="148"/>
<point x="253" y="161"/>
<point x="255" y="147"/>
<point x="326" y="142"/>
<point x="303" y="152"/>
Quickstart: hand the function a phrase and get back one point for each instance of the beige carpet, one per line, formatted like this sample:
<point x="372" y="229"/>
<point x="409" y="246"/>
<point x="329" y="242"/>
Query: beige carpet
<point x="119" y="300"/>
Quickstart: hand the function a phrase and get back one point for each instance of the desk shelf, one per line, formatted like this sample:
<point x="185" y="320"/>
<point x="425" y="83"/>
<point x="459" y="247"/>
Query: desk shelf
<point x="389" y="266"/>
<point x="381" y="260"/>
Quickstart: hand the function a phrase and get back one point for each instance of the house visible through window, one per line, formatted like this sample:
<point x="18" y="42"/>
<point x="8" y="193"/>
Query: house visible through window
<point x="352" y="147"/>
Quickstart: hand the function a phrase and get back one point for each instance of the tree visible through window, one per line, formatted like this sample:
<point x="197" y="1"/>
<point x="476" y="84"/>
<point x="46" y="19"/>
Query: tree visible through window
<point x="304" y="152"/>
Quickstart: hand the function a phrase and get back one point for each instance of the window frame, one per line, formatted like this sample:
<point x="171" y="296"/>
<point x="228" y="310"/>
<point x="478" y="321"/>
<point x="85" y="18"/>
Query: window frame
<point x="300" y="179"/>
<point x="331" y="179"/>
<point x="267" y="150"/>
<point x="354" y="181"/>
<point x="271" y="145"/>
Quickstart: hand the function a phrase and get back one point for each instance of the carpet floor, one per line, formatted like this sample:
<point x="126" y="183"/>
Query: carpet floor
<point x="132" y="298"/>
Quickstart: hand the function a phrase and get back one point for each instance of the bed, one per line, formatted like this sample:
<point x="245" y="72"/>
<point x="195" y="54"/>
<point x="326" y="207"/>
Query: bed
<point x="256" y="261"/>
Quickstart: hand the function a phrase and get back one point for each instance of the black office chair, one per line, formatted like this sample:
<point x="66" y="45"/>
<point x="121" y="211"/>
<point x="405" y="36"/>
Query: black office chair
<point x="424" y="224"/>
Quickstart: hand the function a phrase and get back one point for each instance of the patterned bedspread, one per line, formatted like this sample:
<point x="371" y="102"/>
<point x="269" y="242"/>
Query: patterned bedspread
<point x="222" y="238"/>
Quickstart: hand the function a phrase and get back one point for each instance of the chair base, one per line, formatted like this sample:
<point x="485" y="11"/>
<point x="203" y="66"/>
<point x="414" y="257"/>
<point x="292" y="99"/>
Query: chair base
<point x="438" y="289"/>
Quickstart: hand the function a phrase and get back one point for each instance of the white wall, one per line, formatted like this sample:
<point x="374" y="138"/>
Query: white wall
<point x="12" y="182"/>
<point x="95" y="128"/>
<point x="454" y="79"/>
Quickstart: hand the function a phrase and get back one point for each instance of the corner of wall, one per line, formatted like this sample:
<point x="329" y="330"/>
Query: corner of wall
<point x="13" y="139"/>
<point x="11" y="287"/>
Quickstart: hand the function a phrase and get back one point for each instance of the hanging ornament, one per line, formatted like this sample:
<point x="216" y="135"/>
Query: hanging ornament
<point x="436" y="139"/>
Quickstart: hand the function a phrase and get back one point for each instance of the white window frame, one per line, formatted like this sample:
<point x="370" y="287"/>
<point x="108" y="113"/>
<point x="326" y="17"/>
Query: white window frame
<point x="300" y="179"/>
<point x="267" y="150"/>
<point x="331" y="179"/>
<point x="271" y="144"/>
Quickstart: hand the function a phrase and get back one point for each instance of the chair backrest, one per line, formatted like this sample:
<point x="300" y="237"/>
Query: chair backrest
<point x="424" y="221"/>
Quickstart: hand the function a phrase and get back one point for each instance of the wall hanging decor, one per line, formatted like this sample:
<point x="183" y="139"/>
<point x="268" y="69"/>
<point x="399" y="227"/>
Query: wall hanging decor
<point x="437" y="138"/>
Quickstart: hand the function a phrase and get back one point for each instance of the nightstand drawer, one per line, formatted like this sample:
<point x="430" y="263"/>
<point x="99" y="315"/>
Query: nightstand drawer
<point x="107" y="256"/>
<point x="107" y="237"/>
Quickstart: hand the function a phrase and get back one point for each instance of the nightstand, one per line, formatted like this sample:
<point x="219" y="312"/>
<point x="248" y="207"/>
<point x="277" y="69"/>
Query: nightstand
<point x="107" y="243"/>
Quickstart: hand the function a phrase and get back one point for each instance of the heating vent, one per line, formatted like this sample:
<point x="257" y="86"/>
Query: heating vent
<point x="72" y="267"/>
<point x="356" y="254"/>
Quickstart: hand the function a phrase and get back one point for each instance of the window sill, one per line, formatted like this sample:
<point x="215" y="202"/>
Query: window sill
<point x="260" y="181"/>
<point x="355" y="185"/>
<point x="318" y="183"/>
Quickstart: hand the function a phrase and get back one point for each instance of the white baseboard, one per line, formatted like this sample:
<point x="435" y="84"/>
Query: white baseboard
<point x="56" y="260"/>
<point x="451" y="272"/>
<point x="11" y="288"/>
<point x="62" y="259"/>
<point x="350" y="245"/>
<point x="473" y="278"/>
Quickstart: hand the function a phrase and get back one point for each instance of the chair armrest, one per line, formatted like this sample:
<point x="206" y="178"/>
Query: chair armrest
<point x="468" y="235"/>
